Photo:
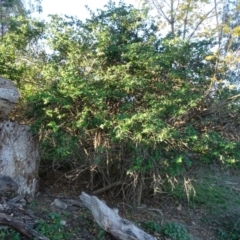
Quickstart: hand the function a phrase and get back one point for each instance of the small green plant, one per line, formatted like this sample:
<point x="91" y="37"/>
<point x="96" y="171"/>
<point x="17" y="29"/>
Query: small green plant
<point x="175" y="231"/>
<point x="84" y="219"/>
<point x="99" y="232"/>
<point x="229" y="228"/>
<point x="34" y="203"/>
<point x="9" y="234"/>
<point x="67" y="214"/>
<point x="54" y="229"/>
<point x="152" y="226"/>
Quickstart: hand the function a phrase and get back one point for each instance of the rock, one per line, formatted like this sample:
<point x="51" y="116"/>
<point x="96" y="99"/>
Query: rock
<point x="9" y="96"/>
<point x="179" y="208"/>
<point x="8" y="187"/>
<point x="58" y="203"/>
<point x="74" y="202"/>
<point x="63" y="222"/>
<point x="23" y="202"/>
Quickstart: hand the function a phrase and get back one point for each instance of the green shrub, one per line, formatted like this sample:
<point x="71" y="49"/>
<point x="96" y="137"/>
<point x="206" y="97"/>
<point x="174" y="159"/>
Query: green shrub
<point x="53" y="228"/>
<point x="176" y="231"/>
<point x="173" y="230"/>
<point x="113" y="101"/>
<point x="9" y="234"/>
<point x="152" y="226"/>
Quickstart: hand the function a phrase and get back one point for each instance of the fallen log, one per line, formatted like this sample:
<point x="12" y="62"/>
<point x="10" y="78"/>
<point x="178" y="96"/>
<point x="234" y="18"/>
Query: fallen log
<point x="111" y="222"/>
<point x="20" y="227"/>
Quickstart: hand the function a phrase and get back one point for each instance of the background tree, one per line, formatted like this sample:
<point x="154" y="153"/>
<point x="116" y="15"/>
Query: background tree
<point x="8" y="9"/>
<point x="216" y="19"/>
<point x="20" y="49"/>
<point x="187" y="19"/>
<point x="230" y="38"/>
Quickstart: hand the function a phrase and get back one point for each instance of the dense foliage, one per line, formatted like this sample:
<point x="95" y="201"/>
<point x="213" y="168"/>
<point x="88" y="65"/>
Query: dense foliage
<point x="115" y="99"/>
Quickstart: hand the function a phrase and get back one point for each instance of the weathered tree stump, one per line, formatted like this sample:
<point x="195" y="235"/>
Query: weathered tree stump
<point x="19" y="156"/>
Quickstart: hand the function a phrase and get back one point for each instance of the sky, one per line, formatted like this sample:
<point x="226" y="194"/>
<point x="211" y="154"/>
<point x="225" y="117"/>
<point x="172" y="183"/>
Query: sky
<point x="75" y="7"/>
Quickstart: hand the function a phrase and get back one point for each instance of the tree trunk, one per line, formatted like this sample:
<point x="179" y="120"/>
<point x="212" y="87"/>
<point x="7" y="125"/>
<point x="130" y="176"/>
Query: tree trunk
<point x="19" y="156"/>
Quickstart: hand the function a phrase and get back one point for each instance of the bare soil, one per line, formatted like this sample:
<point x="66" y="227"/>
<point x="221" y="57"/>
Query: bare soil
<point x="78" y="221"/>
<point x="159" y="209"/>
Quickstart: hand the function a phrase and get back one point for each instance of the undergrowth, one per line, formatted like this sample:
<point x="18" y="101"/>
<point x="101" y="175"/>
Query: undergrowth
<point x="229" y="227"/>
<point x="217" y="193"/>
<point x="53" y="228"/>
<point x="9" y="234"/>
<point x="173" y="230"/>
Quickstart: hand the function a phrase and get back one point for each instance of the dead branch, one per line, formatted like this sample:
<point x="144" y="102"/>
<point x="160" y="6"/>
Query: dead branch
<point x="20" y="227"/>
<point x="111" y="222"/>
<point x="101" y="190"/>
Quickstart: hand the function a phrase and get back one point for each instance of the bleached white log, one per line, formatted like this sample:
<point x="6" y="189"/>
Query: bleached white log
<point x="19" y="156"/>
<point x="111" y="222"/>
<point x="9" y="96"/>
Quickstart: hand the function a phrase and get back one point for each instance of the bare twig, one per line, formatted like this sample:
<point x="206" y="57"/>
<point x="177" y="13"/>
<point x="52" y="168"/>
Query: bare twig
<point x="101" y="190"/>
